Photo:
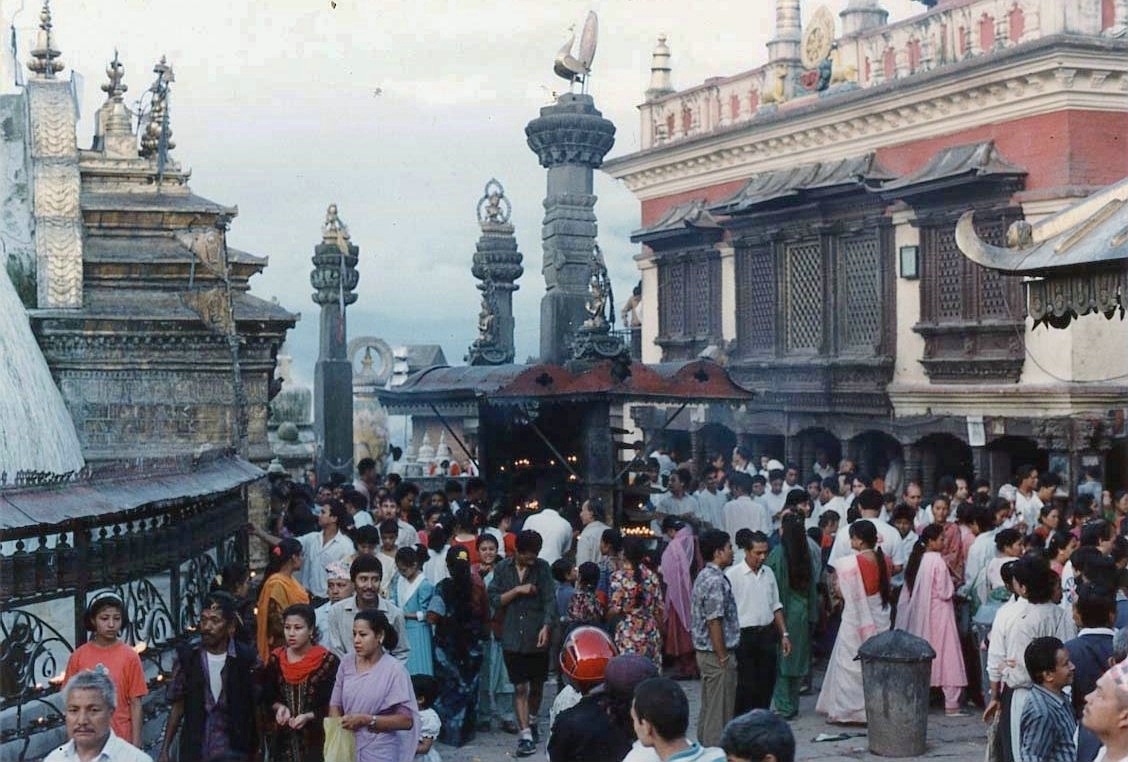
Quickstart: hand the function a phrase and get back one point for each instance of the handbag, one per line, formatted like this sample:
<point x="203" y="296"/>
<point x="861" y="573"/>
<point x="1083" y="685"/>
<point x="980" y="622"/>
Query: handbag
<point x="340" y="744"/>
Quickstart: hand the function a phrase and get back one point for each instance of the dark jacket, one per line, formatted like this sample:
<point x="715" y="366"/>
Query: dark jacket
<point x="238" y="700"/>
<point x="584" y="733"/>
<point x="525" y="614"/>
<point x="1090" y="654"/>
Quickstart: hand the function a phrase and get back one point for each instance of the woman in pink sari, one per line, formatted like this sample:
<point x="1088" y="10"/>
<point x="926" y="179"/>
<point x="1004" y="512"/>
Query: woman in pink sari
<point x="676" y="568"/>
<point x="926" y="610"/>
<point x="862" y="579"/>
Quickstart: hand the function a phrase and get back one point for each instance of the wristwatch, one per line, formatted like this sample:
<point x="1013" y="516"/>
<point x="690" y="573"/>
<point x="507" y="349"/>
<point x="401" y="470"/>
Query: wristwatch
<point x="372" y="723"/>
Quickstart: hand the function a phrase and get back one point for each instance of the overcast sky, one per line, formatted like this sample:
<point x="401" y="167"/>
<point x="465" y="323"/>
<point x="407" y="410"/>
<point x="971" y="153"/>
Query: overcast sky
<point x="399" y="112"/>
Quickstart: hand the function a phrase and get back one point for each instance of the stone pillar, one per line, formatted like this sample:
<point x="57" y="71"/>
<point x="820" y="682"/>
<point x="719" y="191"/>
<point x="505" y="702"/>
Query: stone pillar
<point x="861" y="15"/>
<point x="914" y="471"/>
<point x="598" y="451"/>
<point x="497" y="264"/>
<point x="981" y="462"/>
<point x="334" y="277"/>
<point x="570" y="138"/>
<point x="784" y="47"/>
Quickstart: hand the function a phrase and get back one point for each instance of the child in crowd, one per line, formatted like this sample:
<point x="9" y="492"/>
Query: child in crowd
<point x="585" y="607"/>
<point x="105" y="617"/>
<point x="564" y="572"/>
<point x="426" y="688"/>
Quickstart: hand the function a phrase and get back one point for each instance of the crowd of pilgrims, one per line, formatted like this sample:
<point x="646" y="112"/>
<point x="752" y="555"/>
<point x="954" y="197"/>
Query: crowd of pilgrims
<point x="419" y="619"/>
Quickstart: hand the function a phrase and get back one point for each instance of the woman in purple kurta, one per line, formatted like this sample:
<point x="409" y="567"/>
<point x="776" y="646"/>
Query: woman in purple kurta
<point x="373" y="694"/>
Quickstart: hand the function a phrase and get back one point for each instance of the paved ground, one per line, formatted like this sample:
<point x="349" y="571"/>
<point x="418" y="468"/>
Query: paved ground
<point x="948" y="738"/>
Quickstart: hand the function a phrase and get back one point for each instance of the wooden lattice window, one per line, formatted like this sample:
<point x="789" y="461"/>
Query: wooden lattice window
<point x="756" y="301"/>
<point x="803" y="304"/>
<point x="689" y="296"/>
<point x="955" y="289"/>
<point x="862" y="278"/>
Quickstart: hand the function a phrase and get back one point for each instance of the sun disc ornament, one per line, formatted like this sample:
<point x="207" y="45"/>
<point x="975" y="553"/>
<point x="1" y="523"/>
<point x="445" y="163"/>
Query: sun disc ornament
<point x="818" y="38"/>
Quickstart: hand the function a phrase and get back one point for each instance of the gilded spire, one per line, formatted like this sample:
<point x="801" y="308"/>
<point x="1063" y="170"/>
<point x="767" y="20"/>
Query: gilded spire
<point x="156" y="141"/>
<point x="116" y="87"/>
<point x="45" y="59"/>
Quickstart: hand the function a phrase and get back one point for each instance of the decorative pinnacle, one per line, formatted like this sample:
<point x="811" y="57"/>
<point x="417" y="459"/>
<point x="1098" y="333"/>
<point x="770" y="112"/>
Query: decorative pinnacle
<point x="494" y="208"/>
<point x="115" y="88"/>
<point x="45" y="56"/>
<point x="158" y="132"/>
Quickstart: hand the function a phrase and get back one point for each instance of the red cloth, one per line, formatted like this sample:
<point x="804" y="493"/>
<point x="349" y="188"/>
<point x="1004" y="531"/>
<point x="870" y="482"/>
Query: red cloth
<point x="124" y="667"/>
<point x="870" y="577"/>
<point x="295" y="672"/>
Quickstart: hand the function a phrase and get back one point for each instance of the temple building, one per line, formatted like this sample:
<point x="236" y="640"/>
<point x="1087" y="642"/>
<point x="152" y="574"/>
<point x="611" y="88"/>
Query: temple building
<point x="137" y="377"/>
<point x="799" y="221"/>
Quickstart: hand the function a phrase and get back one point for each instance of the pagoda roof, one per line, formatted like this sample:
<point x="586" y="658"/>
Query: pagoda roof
<point x="763" y="187"/>
<point x="147" y="304"/>
<point x="98" y="248"/>
<point x="1090" y="234"/>
<point x="688" y="216"/>
<point x="956" y="164"/>
<point x="153" y="202"/>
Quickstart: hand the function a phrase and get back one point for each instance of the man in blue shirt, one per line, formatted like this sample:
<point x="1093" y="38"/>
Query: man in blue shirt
<point x="715" y="630"/>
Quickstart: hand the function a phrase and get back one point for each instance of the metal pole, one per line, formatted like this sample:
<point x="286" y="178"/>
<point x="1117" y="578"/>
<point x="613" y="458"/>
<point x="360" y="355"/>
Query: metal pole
<point x="457" y="439"/>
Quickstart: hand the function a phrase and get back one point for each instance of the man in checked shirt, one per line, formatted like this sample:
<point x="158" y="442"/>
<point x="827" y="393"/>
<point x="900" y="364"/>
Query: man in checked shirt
<point x="1048" y="726"/>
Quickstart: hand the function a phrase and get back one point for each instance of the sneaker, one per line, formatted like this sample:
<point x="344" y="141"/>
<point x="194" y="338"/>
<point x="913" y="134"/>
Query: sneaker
<point x="526" y="747"/>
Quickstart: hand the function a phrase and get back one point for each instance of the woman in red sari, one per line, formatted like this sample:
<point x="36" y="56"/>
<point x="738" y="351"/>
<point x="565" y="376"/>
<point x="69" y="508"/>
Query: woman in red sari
<point x="297" y="684"/>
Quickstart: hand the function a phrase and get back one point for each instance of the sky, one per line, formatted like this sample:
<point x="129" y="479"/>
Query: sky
<point x="398" y="112"/>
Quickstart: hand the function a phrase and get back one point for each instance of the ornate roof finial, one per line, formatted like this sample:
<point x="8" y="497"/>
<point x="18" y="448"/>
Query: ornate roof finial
<point x="659" y="71"/>
<point x="115" y="88"/>
<point x="45" y="59"/>
<point x="493" y="207"/>
<point x="157" y="138"/>
<point x="335" y="231"/>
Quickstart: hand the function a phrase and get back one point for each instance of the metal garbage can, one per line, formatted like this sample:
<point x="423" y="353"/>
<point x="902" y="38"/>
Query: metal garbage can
<point x="896" y="672"/>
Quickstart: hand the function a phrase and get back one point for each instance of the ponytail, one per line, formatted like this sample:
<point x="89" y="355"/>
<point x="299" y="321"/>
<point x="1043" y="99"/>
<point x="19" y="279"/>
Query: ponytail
<point x="882" y="578"/>
<point x="913" y="566"/>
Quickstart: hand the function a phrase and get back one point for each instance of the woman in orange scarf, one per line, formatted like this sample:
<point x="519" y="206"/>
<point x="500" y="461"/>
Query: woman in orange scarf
<point x="297" y="686"/>
<point x="279" y="592"/>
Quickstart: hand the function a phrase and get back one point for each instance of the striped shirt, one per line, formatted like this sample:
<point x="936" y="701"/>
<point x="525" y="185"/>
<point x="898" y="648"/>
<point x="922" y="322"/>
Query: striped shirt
<point x="1047" y="728"/>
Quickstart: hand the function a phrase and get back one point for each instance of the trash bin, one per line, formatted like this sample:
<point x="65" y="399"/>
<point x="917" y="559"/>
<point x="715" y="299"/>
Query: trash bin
<point x="896" y="672"/>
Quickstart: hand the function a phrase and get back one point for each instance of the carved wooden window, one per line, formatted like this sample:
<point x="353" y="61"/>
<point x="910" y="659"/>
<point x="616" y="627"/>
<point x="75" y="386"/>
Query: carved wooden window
<point x="861" y="276"/>
<point x="955" y="289"/>
<point x="756" y="301"/>
<point x="803" y="301"/>
<point x="689" y="296"/>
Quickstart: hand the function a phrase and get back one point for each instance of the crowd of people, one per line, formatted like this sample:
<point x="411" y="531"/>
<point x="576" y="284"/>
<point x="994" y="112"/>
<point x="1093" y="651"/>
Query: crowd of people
<point x="388" y="620"/>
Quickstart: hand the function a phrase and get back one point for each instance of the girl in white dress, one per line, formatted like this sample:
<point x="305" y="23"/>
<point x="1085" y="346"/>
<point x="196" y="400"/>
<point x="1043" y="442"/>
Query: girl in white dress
<point x="426" y="687"/>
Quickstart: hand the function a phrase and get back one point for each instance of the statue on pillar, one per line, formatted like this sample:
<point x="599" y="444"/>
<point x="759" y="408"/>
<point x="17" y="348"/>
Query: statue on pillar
<point x="594" y="339"/>
<point x="497" y="264"/>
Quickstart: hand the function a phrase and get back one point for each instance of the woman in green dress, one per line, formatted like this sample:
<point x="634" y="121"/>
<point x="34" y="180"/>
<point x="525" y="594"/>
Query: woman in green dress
<point x="796" y="572"/>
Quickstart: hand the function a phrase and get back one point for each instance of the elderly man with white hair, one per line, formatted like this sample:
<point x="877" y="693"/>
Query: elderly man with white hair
<point x="1106" y="714"/>
<point x="89" y="699"/>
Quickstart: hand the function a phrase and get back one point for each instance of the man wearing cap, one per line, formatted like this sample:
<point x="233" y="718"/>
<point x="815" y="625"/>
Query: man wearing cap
<point x="367" y="574"/>
<point x="1106" y="714"/>
<point x="340" y="587"/>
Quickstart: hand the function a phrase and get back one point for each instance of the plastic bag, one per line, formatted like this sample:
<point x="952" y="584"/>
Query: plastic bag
<point x="340" y="744"/>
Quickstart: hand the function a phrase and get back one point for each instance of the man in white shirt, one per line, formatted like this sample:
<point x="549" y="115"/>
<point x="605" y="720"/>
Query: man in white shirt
<point x="829" y="500"/>
<point x="710" y="500"/>
<point x="762" y="628"/>
<point x="870" y="503"/>
<point x="1027" y="504"/>
<point x="322" y="547"/>
<point x="592" y="515"/>
<point x="775" y="495"/>
<point x="1106" y="714"/>
<point x="791" y="478"/>
<point x="822" y="466"/>
<point x="903" y="518"/>
<point x="742" y="460"/>
<point x="742" y="512"/>
<point x="678" y="502"/>
<point x="89" y="699"/>
<point x="555" y="532"/>
<point x="388" y="508"/>
<point x="367" y="574"/>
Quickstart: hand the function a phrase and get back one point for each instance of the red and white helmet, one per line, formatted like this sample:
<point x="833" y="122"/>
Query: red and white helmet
<point x="584" y="656"/>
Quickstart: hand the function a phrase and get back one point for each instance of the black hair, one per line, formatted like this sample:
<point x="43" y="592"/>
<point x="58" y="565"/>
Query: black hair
<point x="946" y="486"/>
<point x="1006" y="537"/>
<point x="1093" y="533"/>
<point x="588" y="574"/>
<point x="1057" y="542"/>
<point x="796" y="552"/>
<point x="356" y="500"/>
<point x="662" y="702"/>
<point x="1082" y="557"/>
<point x="710" y="541"/>
<point x="746" y="538"/>
<point x="830" y="483"/>
<point x="452" y="486"/>
<point x="426" y="689"/>
<point x="756" y="734"/>
<point x="614" y="538"/>
<point x="389" y="526"/>
<point x="529" y="541"/>
<point x="231" y="576"/>
<point x="306" y="612"/>
<point x="903" y="512"/>
<point x="437" y="538"/>
<point x="741" y="482"/>
<point x="379" y="623"/>
<point x="826" y="518"/>
<point x="1035" y="575"/>
<point x="634" y="551"/>
<point x="486" y="537"/>
<point x="368" y="535"/>
<point x="1096" y="605"/>
<point x="365" y="464"/>
<point x="1041" y="657"/>
<point x="927" y="535"/>
<point x="415" y="555"/>
<point x="1006" y="571"/>
<point x="104" y="601"/>
<point x="365" y="565"/>
<point x="1022" y="472"/>
<point x="869" y="499"/>
<point x="225" y="603"/>
<point x="281" y="554"/>
<point x="864" y="530"/>
<point x="1048" y="479"/>
<point x="561" y="567"/>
